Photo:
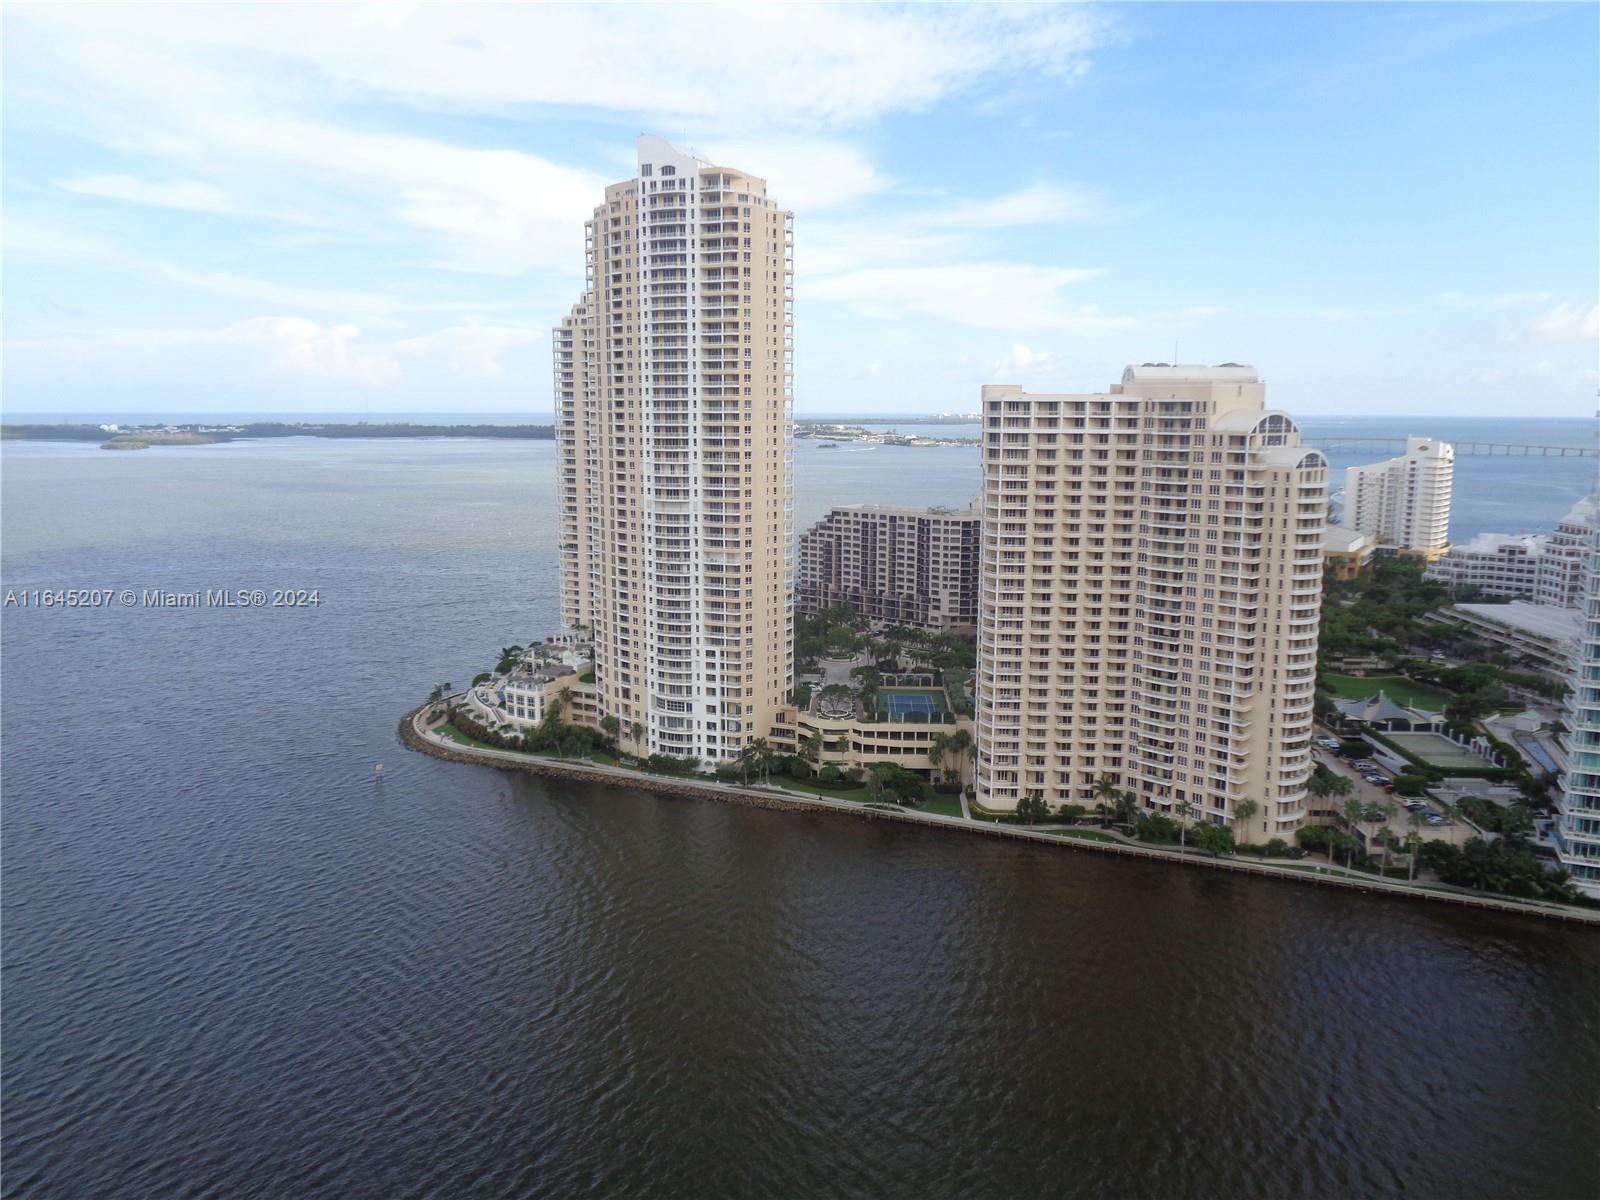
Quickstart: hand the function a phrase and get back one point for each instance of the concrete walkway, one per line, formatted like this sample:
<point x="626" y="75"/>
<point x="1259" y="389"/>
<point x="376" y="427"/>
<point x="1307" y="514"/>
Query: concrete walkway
<point x="772" y="796"/>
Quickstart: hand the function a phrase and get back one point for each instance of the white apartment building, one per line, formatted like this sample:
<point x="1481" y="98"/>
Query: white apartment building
<point x="1150" y="595"/>
<point x="906" y="566"/>
<point x="673" y="414"/>
<point x="1577" y="831"/>
<point x="1404" y="502"/>
<point x="1544" y="568"/>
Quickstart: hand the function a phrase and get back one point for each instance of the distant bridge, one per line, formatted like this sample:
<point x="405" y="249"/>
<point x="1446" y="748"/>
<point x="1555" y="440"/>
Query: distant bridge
<point x="1504" y="449"/>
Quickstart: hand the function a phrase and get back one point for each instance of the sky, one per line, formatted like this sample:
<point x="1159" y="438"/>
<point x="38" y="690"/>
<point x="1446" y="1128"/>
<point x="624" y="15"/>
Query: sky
<point x="310" y="208"/>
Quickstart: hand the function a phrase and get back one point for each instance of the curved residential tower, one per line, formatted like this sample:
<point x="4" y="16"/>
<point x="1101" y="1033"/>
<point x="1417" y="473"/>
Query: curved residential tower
<point x="673" y="411"/>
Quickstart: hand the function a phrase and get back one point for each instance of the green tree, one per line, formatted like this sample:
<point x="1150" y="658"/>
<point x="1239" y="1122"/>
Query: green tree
<point x="1032" y="809"/>
<point x="1354" y="813"/>
<point x="938" y="747"/>
<point x="1412" y="843"/>
<point x="510" y="656"/>
<point x="1244" y="810"/>
<point x="610" y="726"/>
<point x="440" y="691"/>
<point x="1214" y="839"/>
<point x="1126" y="808"/>
<point x="1184" y="809"/>
<point x="636" y="730"/>
<point x="1105" y="791"/>
<point x="811" y="748"/>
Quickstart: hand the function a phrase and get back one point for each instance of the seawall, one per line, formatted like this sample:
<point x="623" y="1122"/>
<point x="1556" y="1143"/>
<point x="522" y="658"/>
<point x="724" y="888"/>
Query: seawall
<point x="415" y="739"/>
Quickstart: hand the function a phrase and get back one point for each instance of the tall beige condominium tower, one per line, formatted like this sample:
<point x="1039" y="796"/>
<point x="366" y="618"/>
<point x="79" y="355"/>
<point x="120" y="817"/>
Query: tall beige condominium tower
<point x="1405" y="501"/>
<point x="673" y="414"/>
<point x="1150" y="592"/>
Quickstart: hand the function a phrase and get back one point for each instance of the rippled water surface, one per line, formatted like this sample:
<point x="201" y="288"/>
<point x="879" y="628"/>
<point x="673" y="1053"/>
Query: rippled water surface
<point x="236" y="965"/>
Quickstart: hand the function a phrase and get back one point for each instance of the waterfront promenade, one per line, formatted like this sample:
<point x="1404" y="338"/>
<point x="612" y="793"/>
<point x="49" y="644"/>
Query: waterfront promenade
<point x="418" y="734"/>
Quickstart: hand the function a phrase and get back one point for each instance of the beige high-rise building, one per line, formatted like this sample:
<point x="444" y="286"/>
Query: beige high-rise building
<point x="1404" y="502"/>
<point x="673" y="415"/>
<point x="1150" y="594"/>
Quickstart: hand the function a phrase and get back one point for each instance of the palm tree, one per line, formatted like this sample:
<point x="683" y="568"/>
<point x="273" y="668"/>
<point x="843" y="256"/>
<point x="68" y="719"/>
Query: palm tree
<point x="1127" y="807"/>
<point x="1105" y="790"/>
<point x="938" y="747"/>
<point x="1385" y="837"/>
<point x="746" y="759"/>
<point x="962" y="745"/>
<point x="1414" y="840"/>
<point x="1184" y="808"/>
<point x="1244" y="810"/>
<point x="636" y="732"/>
<point x="509" y="657"/>
<point x="440" y="691"/>
<point x="811" y="749"/>
<point x="1354" y="813"/>
<point x="762" y="754"/>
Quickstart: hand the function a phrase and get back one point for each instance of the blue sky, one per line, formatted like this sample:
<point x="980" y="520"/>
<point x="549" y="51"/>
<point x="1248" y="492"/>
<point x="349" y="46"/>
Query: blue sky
<point x="1385" y="208"/>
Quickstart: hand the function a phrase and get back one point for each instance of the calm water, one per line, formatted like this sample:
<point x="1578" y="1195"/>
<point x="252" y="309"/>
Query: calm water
<point x="234" y="965"/>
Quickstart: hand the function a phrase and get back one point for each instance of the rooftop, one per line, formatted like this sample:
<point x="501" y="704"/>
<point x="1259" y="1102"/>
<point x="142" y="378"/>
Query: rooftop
<point x="1540" y="620"/>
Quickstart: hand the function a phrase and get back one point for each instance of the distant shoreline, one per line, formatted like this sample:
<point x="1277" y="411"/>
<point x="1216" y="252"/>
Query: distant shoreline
<point x="139" y="437"/>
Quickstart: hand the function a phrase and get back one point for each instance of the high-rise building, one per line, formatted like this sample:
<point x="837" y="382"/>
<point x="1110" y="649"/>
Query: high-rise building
<point x="1150" y="594"/>
<point x="907" y="566"/>
<point x="673" y="411"/>
<point x="1546" y="568"/>
<point x="1577" y="831"/>
<point x="1404" y="502"/>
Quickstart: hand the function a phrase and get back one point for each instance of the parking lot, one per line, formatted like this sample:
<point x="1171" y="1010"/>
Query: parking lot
<point x="1369" y="780"/>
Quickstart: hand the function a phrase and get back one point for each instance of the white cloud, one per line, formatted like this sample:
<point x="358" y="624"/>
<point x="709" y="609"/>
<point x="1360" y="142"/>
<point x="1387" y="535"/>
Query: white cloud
<point x="987" y="295"/>
<point x="36" y="242"/>
<point x="252" y="353"/>
<point x="732" y="65"/>
<point x="188" y="194"/>
<point x="1042" y="204"/>
<point x="1023" y="363"/>
<point x="804" y="174"/>
<point x="1566" y="323"/>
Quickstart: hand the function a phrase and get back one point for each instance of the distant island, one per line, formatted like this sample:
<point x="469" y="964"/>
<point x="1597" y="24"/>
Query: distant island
<point x="141" y="437"/>
<point x="833" y="434"/>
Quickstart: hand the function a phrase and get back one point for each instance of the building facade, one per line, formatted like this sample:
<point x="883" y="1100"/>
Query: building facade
<point x="1541" y="568"/>
<point x="1577" y="830"/>
<point x="1404" y="502"/>
<point x="1150" y="596"/>
<point x="905" y="566"/>
<point x="1541" y="635"/>
<point x="673" y="413"/>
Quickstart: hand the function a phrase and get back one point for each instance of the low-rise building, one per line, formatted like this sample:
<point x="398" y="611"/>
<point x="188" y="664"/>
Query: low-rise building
<point x="561" y="668"/>
<point x="1346" y="553"/>
<point x="1541" y="633"/>
<point x="904" y="566"/>
<point x="1545" y="568"/>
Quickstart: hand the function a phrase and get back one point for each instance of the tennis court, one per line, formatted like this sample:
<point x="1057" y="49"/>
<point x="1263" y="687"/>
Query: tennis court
<point x="900" y="704"/>
<point x="1437" y="750"/>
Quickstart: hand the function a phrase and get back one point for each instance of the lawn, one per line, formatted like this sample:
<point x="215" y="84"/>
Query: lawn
<point x="1087" y="835"/>
<point x="944" y="806"/>
<point x="811" y="787"/>
<point x="1397" y="687"/>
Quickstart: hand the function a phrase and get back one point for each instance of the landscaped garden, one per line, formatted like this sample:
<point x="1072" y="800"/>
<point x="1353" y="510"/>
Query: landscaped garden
<point x="1398" y="688"/>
